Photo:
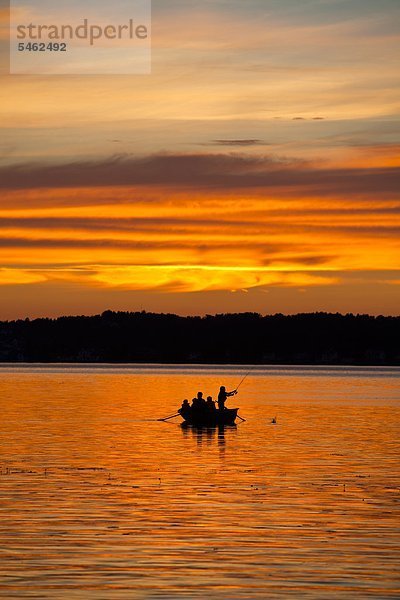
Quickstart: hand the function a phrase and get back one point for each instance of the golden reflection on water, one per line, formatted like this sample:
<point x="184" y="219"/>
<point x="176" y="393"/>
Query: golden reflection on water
<point x="99" y="500"/>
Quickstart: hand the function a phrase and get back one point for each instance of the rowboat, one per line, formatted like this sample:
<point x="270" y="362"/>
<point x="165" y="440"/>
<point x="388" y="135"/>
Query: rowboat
<point x="206" y="418"/>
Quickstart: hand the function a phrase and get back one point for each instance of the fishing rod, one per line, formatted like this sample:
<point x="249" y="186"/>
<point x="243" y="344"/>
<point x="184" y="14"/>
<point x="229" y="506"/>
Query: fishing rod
<point x="236" y="389"/>
<point x="247" y="374"/>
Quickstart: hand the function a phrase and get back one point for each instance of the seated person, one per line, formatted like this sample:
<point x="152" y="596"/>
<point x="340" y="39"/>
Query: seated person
<point x="210" y="403"/>
<point x="199" y="402"/>
<point x="185" y="408"/>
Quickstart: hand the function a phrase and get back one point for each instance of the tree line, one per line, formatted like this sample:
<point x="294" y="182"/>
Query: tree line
<point x="242" y="338"/>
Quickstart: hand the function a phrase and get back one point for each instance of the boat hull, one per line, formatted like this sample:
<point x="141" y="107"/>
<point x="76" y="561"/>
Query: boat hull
<point x="210" y="419"/>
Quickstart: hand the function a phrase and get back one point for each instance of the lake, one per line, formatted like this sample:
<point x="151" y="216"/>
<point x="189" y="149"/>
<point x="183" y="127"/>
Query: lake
<point x="101" y="500"/>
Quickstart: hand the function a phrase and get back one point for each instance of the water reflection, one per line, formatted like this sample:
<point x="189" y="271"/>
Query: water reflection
<point x="208" y="435"/>
<point x="101" y="500"/>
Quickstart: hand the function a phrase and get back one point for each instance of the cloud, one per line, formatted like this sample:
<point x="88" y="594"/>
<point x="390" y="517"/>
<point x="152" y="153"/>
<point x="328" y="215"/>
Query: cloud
<point x="200" y="278"/>
<point x="20" y="277"/>
<point x="169" y="278"/>
<point x="206" y="171"/>
<point x="211" y="247"/>
<point x="262" y="222"/>
<point x="239" y="142"/>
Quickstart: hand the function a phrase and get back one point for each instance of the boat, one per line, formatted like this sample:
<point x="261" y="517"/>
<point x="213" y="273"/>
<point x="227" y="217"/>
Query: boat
<point x="207" y="418"/>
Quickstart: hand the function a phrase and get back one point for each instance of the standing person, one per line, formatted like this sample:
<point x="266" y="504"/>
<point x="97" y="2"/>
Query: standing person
<point x="223" y="395"/>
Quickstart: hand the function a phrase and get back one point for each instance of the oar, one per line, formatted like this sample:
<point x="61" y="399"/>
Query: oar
<point x="166" y="418"/>
<point x="241" y="418"/>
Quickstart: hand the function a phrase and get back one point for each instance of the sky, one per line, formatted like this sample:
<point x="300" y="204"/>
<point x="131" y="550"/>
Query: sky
<point x="255" y="169"/>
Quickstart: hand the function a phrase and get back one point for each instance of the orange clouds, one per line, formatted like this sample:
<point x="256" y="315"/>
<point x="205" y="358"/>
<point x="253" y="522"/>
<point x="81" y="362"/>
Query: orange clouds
<point x="198" y="223"/>
<point x="262" y="154"/>
<point x="19" y="277"/>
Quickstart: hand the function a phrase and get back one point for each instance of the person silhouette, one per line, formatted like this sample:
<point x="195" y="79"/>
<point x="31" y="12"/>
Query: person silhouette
<point x="223" y="395"/>
<point x="185" y="409"/>
<point x="199" y="401"/>
<point x="210" y="404"/>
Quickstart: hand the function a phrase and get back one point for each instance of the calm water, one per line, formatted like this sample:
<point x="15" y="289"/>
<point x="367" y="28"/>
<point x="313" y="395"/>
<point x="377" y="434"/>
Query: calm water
<point x="97" y="500"/>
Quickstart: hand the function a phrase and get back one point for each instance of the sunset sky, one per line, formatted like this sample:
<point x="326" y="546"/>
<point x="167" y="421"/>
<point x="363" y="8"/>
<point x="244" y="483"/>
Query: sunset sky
<point x="256" y="168"/>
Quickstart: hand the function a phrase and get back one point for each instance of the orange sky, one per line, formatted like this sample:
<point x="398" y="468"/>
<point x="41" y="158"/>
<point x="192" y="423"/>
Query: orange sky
<point x="257" y="168"/>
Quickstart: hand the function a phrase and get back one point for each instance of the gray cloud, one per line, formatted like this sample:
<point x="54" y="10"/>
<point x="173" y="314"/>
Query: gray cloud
<point x="204" y="171"/>
<point x="255" y="221"/>
<point x="239" y="142"/>
<point x="21" y="242"/>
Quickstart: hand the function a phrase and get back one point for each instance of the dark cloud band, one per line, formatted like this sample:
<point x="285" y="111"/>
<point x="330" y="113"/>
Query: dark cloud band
<point x="205" y="171"/>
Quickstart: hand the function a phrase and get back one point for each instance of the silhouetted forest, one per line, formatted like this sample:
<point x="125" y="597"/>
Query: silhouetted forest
<point x="244" y="338"/>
